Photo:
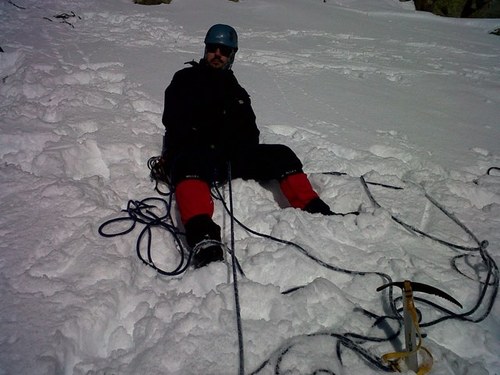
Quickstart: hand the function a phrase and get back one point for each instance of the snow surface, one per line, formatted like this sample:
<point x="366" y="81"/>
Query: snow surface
<point x="369" y="88"/>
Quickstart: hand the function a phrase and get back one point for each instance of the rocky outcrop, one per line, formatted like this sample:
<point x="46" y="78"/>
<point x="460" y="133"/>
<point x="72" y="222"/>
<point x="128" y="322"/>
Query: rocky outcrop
<point x="152" y="2"/>
<point x="461" y="8"/>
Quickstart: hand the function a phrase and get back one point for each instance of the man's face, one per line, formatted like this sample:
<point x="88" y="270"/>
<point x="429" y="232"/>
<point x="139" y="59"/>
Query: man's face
<point x="218" y="55"/>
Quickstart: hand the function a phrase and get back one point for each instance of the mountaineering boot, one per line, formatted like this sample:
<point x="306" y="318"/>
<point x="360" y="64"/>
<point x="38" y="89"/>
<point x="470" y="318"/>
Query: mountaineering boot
<point x="317" y="206"/>
<point x="206" y="255"/>
<point x="203" y="235"/>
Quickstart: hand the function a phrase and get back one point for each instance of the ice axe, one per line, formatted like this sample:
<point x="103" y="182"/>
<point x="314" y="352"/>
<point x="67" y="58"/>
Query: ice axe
<point x="411" y="327"/>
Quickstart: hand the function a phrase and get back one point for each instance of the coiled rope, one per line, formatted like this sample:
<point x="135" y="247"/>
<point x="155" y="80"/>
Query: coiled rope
<point x="142" y="212"/>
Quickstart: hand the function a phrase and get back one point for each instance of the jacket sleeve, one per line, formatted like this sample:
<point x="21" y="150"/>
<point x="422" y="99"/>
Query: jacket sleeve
<point x="175" y="115"/>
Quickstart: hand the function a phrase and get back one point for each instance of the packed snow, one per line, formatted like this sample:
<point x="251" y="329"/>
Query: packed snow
<point x="364" y="91"/>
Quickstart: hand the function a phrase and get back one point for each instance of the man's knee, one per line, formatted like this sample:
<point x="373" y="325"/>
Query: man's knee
<point x="191" y="166"/>
<point x="284" y="161"/>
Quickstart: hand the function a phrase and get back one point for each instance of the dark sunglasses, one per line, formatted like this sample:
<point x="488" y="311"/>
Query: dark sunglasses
<point x="223" y="50"/>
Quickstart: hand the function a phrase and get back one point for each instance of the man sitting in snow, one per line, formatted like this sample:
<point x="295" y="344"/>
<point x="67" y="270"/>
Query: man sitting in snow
<point x="209" y="123"/>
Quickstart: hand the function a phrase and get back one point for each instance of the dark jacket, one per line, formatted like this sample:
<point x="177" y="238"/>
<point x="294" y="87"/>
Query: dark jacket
<point x="207" y="108"/>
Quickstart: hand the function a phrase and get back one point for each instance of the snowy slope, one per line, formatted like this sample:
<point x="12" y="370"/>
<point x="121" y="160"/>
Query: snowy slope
<point x="365" y="88"/>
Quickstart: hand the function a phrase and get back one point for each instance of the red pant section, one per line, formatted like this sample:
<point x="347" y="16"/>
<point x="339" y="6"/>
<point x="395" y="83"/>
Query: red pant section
<point x="298" y="190"/>
<point x="193" y="198"/>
